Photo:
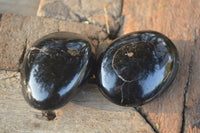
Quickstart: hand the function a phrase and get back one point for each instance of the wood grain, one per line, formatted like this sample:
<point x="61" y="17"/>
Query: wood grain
<point x="178" y="20"/>
<point x="89" y="111"/>
<point x="20" y="7"/>
<point x="192" y="105"/>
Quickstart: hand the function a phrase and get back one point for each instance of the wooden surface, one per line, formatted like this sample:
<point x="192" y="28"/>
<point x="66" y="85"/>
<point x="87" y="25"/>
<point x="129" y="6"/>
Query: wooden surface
<point x="192" y="110"/>
<point x="22" y="7"/>
<point x="179" y="20"/>
<point x="104" y="13"/>
<point x="176" y="110"/>
<point x="88" y="112"/>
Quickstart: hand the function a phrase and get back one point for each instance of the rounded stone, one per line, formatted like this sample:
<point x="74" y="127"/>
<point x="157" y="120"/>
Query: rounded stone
<point x="53" y="69"/>
<point x="137" y="67"/>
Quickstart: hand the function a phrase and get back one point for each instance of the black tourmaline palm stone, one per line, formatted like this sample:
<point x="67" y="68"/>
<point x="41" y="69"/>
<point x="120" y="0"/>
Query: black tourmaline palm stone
<point x="137" y="67"/>
<point x="53" y="69"/>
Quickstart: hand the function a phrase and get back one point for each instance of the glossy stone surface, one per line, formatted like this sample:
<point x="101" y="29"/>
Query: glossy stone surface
<point x="53" y="69"/>
<point x="137" y="67"/>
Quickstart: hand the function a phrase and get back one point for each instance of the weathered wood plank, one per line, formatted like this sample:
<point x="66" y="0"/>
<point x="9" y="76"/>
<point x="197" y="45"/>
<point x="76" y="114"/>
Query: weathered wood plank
<point x="89" y="111"/>
<point x="177" y="20"/>
<point x="192" y="110"/>
<point x="20" y="7"/>
<point x="18" y="31"/>
<point x="105" y="13"/>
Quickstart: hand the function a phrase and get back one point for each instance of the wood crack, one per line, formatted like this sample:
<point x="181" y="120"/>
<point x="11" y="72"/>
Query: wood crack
<point x="188" y="82"/>
<point x="22" y="55"/>
<point x="146" y="119"/>
<point x="116" y="33"/>
<point x="0" y="16"/>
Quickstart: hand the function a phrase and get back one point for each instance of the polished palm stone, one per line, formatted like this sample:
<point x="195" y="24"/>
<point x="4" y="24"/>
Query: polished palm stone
<point x="137" y="67"/>
<point x="53" y="69"/>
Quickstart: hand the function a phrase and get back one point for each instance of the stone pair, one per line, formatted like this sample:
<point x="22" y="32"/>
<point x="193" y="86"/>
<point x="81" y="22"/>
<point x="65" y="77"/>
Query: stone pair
<point x="133" y="70"/>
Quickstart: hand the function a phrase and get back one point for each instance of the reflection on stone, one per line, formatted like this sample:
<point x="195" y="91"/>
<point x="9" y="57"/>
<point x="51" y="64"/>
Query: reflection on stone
<point x="137" y="67"/>
<point x="53" y="69"/>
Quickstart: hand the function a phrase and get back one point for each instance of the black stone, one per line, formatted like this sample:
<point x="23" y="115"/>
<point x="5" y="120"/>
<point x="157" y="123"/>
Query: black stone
<point x="54" y="68"/>
<point x="137" y="67"/>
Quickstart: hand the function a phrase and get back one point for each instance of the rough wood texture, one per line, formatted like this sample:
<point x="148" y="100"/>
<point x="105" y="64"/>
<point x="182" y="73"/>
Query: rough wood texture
<point x="89" y="111"/>
<point x="18" y="31"/>
<point x="104" y="13"/>
<point x="12" y="41"/>
<point x="192" y="109"/>
<point x="22" y="7"/>
<point x="178" y="20"/>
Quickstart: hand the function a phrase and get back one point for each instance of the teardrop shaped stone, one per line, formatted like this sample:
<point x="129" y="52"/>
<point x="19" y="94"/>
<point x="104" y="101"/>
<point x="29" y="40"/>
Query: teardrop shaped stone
<point x="54" y="68"/>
